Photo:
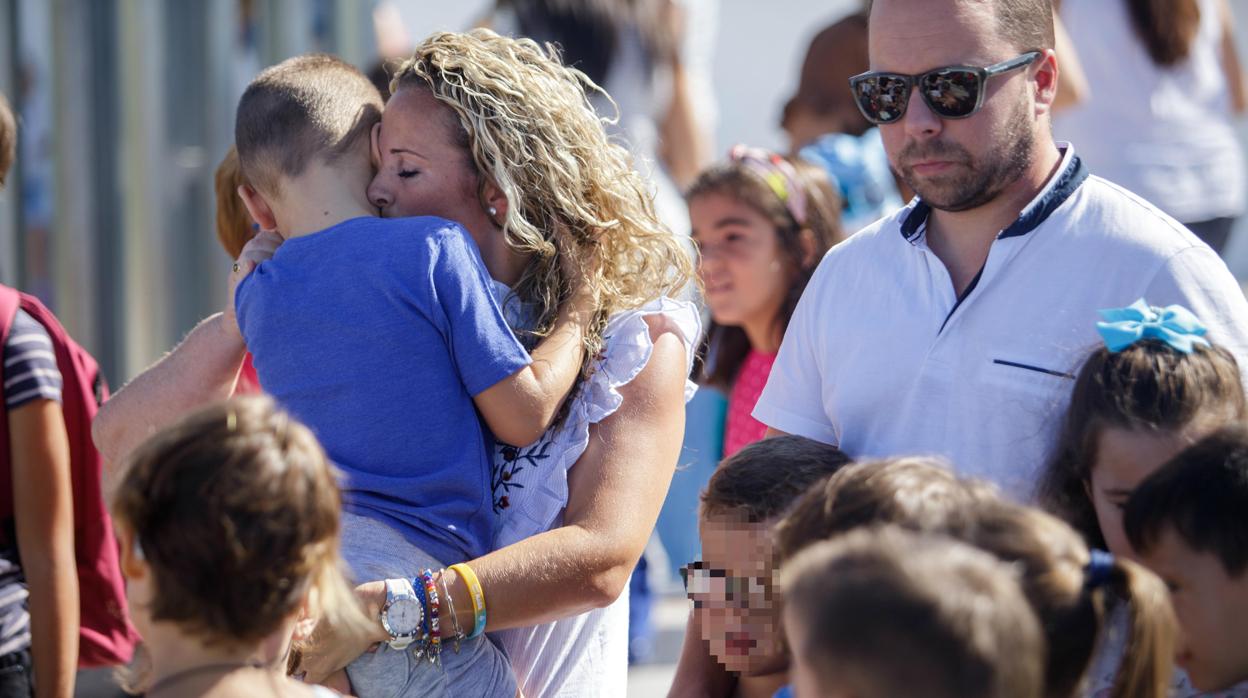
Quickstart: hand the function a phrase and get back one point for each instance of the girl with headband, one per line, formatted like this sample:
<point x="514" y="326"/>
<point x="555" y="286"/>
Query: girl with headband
<point x="1155" y="387"/>
<point x="762" y="223"/>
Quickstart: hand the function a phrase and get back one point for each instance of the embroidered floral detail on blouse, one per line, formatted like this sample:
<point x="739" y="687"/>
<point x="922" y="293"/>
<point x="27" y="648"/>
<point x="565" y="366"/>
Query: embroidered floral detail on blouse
<point x="512" y="461"/>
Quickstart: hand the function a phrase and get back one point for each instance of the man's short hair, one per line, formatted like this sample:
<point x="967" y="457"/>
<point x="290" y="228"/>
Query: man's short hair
<point x="8" y="140"/>
<point x="1026" y="24"/>
<point x="885" y="611"/>
<point x="313" y="106"/>
<point x="761" y="480"/>
<point x="1202" y="495"/>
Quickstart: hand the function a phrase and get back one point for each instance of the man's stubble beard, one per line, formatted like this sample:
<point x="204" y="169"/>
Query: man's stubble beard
<point x="981" y="181"/>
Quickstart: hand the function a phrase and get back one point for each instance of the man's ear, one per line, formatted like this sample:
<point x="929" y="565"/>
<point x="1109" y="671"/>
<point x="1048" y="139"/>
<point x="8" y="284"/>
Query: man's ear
<point x="133" y="564"/>
<point x="1046" y="81"/>
<point x="492" y="197"/>
<point x="257" y="207"/>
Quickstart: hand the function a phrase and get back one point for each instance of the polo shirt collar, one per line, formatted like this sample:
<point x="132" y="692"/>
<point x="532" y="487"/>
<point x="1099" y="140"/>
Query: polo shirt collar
<point x="1059" y="188"/>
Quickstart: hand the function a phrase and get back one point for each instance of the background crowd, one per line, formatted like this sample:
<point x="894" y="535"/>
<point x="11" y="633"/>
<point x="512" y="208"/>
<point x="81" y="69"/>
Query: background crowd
<point x="880" y="444"/>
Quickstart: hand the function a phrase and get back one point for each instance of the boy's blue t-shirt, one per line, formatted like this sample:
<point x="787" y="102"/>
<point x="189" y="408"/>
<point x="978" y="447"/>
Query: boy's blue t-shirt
<point x="377" y="333"/>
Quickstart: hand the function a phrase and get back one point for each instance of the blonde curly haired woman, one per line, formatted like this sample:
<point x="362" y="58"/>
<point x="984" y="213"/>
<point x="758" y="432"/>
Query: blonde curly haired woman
<point x="497" y="135"/>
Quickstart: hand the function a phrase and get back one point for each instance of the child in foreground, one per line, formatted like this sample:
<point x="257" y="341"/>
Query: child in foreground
<point x="1154" y="388"/>
<point x="229" y="524"/>
<point x="384" y="337"/>
<point x="884" y="612"/>
<point x="1067" y="585"/>
<point x="734" y="646"/>
<point x="1187" y="522"/>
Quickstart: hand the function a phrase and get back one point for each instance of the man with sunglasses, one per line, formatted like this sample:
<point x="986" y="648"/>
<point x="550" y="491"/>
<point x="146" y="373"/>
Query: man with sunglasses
<point x="954" y="325"/>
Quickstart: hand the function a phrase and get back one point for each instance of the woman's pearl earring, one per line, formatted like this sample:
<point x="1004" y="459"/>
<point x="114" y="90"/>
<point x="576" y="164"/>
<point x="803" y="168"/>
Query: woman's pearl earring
<point x="493" y="211"/>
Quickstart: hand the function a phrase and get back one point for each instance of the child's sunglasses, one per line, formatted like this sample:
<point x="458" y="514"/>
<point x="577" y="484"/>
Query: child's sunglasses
<point x="955" y="92"/>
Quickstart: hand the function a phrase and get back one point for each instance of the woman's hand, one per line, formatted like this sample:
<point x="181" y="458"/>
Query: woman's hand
<point x="257" y="249"/>
<point x="328" y="651"/>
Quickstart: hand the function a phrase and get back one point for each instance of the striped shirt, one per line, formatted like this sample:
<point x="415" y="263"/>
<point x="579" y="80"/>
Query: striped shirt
<point x="30" y="373"/>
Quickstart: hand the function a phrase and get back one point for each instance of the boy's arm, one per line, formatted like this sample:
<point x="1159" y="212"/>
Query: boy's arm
<point x="521" y="407"/>
<point x="43" y="510"/>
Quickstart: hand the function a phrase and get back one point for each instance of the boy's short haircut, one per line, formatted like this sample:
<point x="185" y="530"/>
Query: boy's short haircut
<point x="8" y="140"/>
<point x="915" y="493"/>
<point x="761" y="480"/>
<point x="1202" y="494"/>
<point x="306" y="107"/>
<point x="885" y="611"/>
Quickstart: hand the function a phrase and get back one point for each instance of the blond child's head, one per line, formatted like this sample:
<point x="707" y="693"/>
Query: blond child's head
<point x="885" y="612"/>
<point x="229" y="523"/>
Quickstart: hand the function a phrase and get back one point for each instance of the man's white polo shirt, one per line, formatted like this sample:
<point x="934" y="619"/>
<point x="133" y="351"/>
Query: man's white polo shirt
<point x="882" y="358"/>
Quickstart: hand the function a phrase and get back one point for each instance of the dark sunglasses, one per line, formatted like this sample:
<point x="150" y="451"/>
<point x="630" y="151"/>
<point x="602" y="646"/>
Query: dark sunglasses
<point x="955" y="92"/>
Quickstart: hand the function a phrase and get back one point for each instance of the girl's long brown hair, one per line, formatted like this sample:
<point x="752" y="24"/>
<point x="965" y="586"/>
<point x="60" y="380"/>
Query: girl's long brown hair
<point x="1166" y="27"/>
<point x="726" y="346"/>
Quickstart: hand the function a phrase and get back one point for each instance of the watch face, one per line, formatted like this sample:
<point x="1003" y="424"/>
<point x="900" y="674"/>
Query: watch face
<point x="403" y="617"/>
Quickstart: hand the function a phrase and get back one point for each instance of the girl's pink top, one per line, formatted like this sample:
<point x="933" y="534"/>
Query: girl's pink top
<point x="741" y="428"/>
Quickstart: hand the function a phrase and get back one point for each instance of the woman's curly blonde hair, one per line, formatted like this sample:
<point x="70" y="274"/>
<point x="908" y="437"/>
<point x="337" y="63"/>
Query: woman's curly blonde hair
<point x="530" y="128"/>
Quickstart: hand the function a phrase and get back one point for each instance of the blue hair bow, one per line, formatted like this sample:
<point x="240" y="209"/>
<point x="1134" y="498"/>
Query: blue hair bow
<point x="1173" y="324"/>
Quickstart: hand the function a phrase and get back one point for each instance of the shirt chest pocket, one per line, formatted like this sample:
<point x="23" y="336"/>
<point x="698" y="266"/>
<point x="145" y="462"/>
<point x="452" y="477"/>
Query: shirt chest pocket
<point x="1021" y="375"/>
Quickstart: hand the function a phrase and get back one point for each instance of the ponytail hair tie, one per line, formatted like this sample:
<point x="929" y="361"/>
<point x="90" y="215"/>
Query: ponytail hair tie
<point x="1099" y="569"/>
<point x="1175" y="325"/>
<point x="778" y="174"/>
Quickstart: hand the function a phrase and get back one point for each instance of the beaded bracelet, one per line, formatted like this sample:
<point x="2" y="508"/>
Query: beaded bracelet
<point x="478" y="597"/>
<point x="422" y="642"/>
<point x="450" y="605"/>
<point x="435" y="633"/>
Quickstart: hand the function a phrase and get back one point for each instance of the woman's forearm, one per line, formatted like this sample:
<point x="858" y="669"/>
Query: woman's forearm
<point x="53" y="604"/>
<point x="202" y="368"/>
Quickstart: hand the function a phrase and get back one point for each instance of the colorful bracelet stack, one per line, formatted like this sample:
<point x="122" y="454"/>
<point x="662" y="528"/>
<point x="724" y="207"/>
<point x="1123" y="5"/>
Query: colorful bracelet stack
<point x="478" y="597"/>
<point x="435" y="632"/>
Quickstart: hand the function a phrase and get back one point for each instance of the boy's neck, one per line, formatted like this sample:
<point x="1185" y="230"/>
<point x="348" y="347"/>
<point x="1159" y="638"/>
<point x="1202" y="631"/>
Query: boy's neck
<point x="174" y="652"/>
<point x="322" y="197"/>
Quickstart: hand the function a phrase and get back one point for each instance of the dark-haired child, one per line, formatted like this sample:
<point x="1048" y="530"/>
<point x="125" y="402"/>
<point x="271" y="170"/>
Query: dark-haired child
<point x="735" y="626"/>
<point x="229" y="525"/>
<point x="761" y="223"/>
<point x="1156" y="386"/>
<point x="1187" y="522"/>
<point x="885" y="612"/>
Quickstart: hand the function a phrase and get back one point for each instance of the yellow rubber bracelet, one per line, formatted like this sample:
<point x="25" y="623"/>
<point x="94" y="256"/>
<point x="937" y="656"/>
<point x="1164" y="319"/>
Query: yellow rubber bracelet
<point x="478" y="597"/>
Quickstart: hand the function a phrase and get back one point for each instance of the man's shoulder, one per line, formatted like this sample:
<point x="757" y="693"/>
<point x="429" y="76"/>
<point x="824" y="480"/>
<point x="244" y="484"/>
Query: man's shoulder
<point x="1106" y="212"/>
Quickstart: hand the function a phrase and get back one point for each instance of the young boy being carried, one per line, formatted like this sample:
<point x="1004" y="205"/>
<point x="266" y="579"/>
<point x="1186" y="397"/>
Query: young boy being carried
<point x="382" y="335"/>
<point x="1187" y="523"/>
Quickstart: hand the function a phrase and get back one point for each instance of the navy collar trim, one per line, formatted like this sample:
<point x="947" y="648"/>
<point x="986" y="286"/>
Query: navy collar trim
<point x="1037" y="212"/>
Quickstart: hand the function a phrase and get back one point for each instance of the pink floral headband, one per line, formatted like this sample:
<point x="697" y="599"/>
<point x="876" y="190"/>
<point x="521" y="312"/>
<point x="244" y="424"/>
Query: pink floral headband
<point x="778" y="174"/>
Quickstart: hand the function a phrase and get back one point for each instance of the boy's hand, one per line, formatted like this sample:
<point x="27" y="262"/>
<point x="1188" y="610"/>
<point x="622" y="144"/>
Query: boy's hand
<point x="258" y="249"/>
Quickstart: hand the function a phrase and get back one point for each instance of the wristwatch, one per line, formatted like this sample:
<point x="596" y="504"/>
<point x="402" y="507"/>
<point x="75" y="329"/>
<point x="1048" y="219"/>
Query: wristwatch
<point x="402" y="615"/>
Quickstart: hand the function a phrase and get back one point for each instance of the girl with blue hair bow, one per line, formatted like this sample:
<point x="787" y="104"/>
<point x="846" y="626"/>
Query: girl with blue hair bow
<point x="1154" y="387"/>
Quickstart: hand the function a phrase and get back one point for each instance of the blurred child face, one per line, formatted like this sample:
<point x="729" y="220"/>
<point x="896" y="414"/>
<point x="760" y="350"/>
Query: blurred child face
<point x="742" y="266"/>
<point x="1124" y="457"/>
<point x="732" y="589"/>
<point x="1211" y="606"/>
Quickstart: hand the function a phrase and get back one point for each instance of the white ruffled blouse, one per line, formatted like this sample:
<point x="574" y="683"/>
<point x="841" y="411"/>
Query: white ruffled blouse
<point x="585" y="654"/>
